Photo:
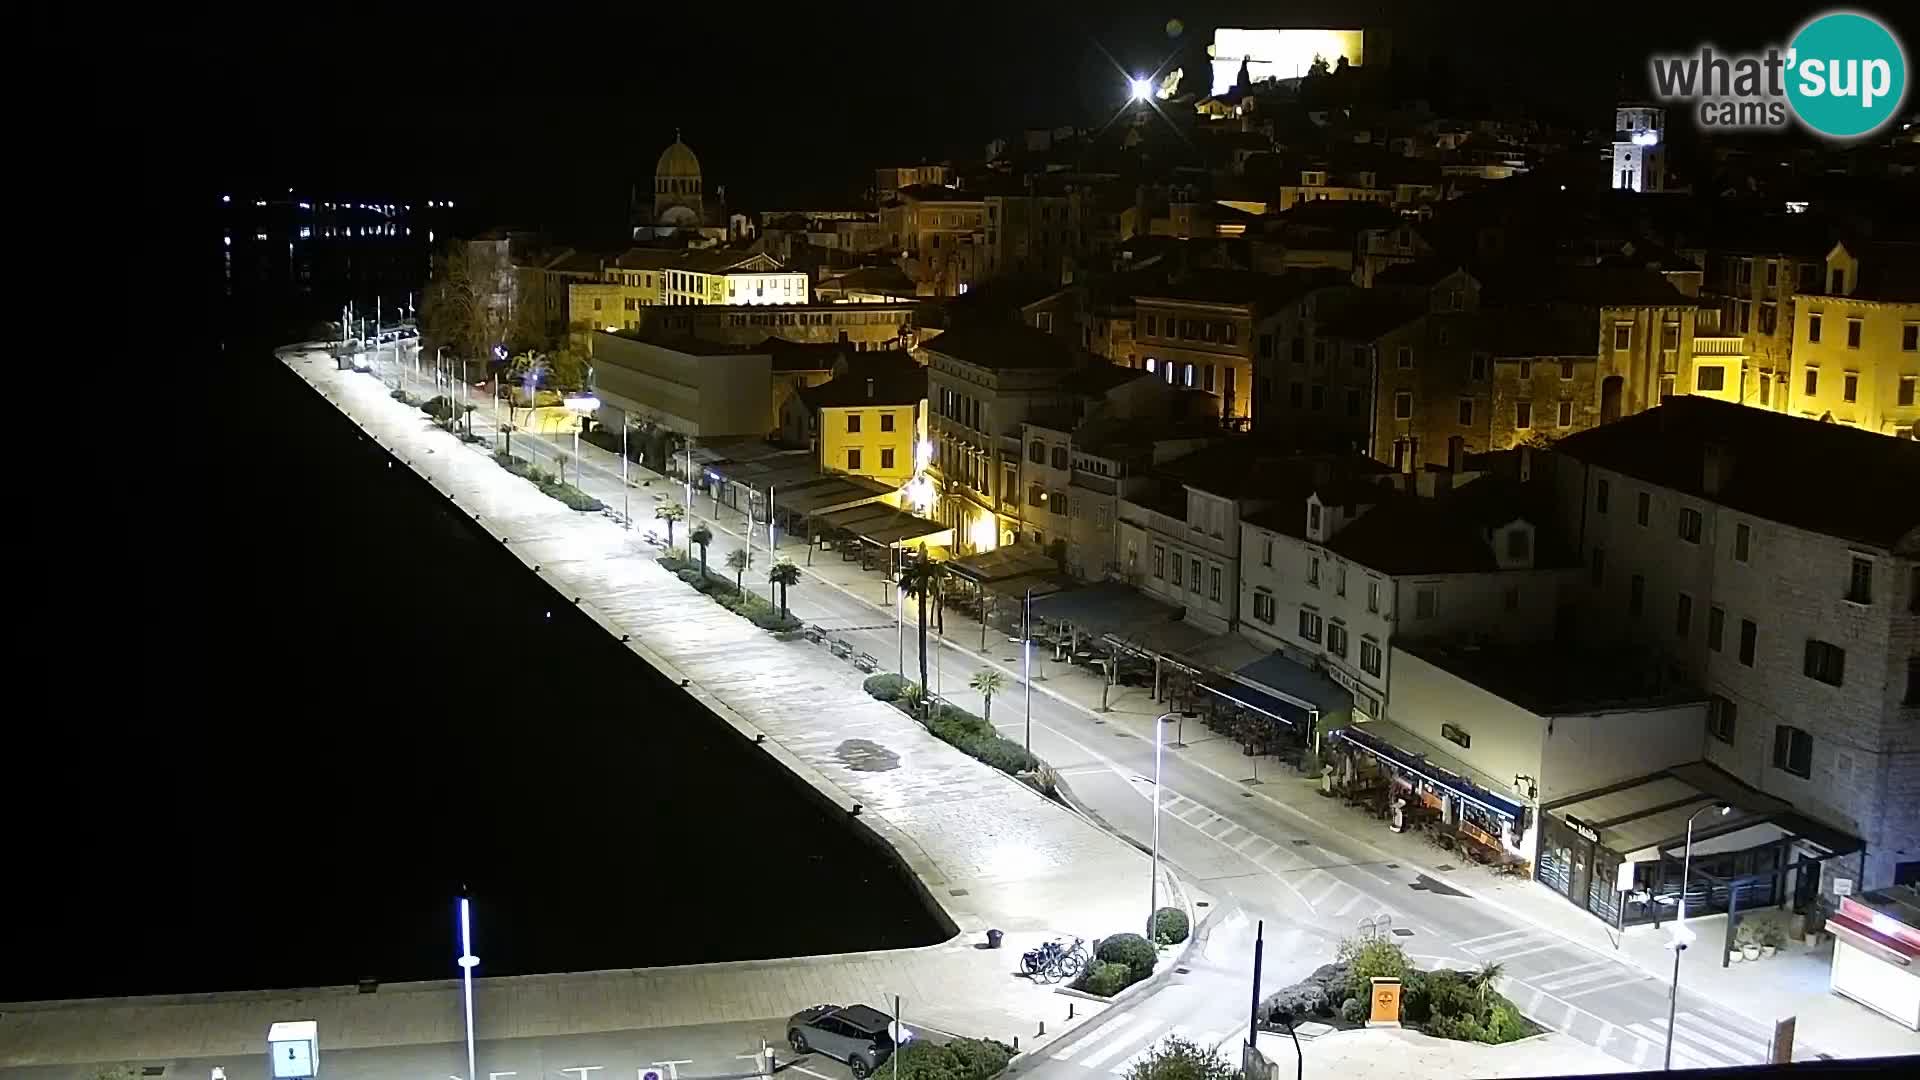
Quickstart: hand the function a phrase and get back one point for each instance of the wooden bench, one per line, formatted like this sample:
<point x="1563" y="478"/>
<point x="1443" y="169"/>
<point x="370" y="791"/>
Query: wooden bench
<point x="841" y="647"/>
<point x="866" y="662"/>
<point x="815" y="633"/>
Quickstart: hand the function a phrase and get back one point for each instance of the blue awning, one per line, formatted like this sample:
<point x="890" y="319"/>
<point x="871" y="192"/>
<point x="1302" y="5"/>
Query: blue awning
<point x="1259" y="701"/>
<point x="1418" y="765"/>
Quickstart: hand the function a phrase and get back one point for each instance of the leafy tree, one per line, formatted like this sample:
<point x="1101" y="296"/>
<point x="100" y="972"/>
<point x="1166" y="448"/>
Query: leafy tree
<point x="737" y="562"/>
<point x="700" y="536"/>
<point x="465" y="306"/>
<point x="784" y="573"/>
<point x="1176" y="1058"/>
<point x="987" y="682"/>
<point x="670" y="513"/>
<point x="922" y="580"/>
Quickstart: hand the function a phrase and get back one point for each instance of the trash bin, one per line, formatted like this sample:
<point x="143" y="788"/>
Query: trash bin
<point x="993" y="939"/>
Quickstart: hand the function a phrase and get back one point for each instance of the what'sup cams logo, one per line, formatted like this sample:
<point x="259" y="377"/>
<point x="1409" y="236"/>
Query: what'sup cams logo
<point x="1843" y="76"/>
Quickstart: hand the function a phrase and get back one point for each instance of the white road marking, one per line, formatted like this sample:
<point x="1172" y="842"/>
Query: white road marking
<point x="1681" y="1053"/>
<point x="1577" y="974"/>
<point x="804" y="1069"/>
<point x="1358" y="898"/>
<point x="1330" y="890"/>
<point x="1178" y="1031"/>
<point x="1489" y="937"/>
<point x="1497" y="952"/>
<point x="1600" y="988"/>
<point x="1710" y="1035"/>
<point x="1118" y="1043"/>
<point x="1241" y="847"/>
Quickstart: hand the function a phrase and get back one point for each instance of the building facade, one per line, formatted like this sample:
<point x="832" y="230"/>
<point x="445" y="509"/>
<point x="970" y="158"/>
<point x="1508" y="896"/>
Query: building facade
<point x="1704" y="527"/>
<point x="1857" y="342"/>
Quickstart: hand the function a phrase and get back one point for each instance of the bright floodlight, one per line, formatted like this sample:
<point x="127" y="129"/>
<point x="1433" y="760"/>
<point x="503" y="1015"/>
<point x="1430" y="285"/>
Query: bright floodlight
<point x="1140" y="89"/>
<point x="584" y="404"/>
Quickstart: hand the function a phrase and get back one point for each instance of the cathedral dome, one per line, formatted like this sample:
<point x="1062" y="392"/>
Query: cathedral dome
<point x="677" y="161"/>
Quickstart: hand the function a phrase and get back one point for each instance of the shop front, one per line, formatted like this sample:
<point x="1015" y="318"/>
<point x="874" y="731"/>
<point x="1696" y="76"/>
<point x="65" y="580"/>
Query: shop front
<point x="1620" y="853"/>
<point x="1415" y="786"/>
<point x="1876" y="952"/>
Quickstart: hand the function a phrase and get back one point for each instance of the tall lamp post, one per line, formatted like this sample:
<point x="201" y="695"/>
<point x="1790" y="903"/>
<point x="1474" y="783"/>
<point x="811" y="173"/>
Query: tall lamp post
<point x="1682" y="937"/>
<point x="581" y="406"/>
<point x="468" y="962"/>
<point x="1026" y="658"/>
<point x="1153" y="887"/>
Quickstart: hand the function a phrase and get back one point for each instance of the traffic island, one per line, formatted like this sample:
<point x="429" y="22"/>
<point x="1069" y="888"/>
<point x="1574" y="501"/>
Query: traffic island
<point x="1443" y="1003"/>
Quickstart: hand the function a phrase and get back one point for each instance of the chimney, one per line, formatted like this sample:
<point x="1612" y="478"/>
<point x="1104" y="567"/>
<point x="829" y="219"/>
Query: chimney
<point x="869" y="389"/>
<point x="1716" y="469"/>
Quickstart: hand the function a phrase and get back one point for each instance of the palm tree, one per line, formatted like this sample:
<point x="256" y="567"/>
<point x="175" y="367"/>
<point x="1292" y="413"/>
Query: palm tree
<point x="737" y="562"/>
<point x="670" y="512"/>
<point x="783" y="574"/>
<point x="700" y="536"/>
<point x="1485" y="976"/>
<point x="922" y="579"/>
<point x="988" y="682"/>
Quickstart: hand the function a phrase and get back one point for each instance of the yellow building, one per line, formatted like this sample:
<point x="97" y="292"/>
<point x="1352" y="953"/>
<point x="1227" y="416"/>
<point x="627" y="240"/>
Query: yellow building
<point x="1856" y="347"/>
<point x="650" y="277"/>
<point x="870" y="421"/>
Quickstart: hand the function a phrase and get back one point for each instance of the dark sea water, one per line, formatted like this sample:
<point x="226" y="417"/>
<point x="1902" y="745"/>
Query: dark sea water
<point x="317" y="704"/>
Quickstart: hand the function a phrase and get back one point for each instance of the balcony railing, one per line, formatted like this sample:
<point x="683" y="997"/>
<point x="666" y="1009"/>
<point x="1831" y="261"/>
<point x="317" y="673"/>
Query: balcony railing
<point x="1719" y="346"/>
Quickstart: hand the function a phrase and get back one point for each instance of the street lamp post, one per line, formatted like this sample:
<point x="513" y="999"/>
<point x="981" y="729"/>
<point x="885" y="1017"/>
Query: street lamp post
<point x="1026" y="658"/>
<point x="626" y="519"/>
<point x="581" y="406"/>
<point x="1153" y="887"/>
<point x="468" y="962"/>
<point x="1681" y="935"/>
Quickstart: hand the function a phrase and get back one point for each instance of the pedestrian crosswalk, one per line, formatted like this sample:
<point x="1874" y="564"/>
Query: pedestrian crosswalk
<point x="1117" y="1049"/>
<point x="1562" y="985"/>
<point x="1700" y="1041"/>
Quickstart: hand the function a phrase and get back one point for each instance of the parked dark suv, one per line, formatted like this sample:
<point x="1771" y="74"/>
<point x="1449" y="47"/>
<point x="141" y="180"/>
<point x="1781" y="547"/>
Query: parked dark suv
<point x="856" y="1034"/>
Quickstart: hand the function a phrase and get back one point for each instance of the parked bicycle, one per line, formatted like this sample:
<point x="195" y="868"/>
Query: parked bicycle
<point x="1053" y="960"/>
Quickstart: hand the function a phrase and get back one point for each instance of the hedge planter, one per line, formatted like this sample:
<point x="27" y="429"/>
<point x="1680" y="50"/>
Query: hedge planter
<point x="727" y="594"/>
<point x="549" y="485"/>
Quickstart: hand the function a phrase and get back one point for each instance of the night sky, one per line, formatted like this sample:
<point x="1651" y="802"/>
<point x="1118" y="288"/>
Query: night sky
<point x="547" y="121"/>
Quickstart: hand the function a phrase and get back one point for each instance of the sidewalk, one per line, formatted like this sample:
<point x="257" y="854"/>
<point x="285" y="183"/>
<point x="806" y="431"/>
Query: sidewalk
<point x="940" y="987"/>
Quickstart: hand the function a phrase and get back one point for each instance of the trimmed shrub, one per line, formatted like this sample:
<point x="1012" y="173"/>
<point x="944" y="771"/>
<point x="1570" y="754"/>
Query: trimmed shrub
<point x="924" y="1061"/>
<point x="1367" y="960"/>
<point x="1352" y="1012"/>
<point x="1131" y="950"/>
<point x="1105" y="978"/>
<point x="1505" y="1024"/>
<point x="1170" y="926"/>
<point x="961" y="1059"/>
<point x="976" y="738"/>
<point x="980" y="1058"/>
<point x="885" y="686"/>
<point x="437" y="407"/>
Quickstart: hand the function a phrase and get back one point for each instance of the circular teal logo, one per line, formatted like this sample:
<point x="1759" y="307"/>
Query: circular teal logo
<point x="1848" y="74"/>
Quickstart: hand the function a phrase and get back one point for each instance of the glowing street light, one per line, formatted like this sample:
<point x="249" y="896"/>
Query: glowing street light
<point x="1683" y="937"/>
<point x="1139" y="89"/>
<point x="467" y="962"/>
<point x="582" y="406"/>
<point x="1153" y="887"/>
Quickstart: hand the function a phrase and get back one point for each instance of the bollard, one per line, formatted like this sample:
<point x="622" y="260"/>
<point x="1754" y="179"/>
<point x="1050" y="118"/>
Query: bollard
<point x="1069" y="1010"/>
<point x="1042" y="1033"/>
<point x="1016" y="1044"/>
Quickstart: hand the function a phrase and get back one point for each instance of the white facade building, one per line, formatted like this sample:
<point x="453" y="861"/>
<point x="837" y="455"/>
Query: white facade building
<point x="1774" y="561"/>
<point x="1640" y="148"/>
<point x="1334" y="577"/>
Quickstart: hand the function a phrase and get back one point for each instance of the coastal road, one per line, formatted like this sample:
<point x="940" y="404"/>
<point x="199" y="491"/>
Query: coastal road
<point x="1255" y="854"/>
